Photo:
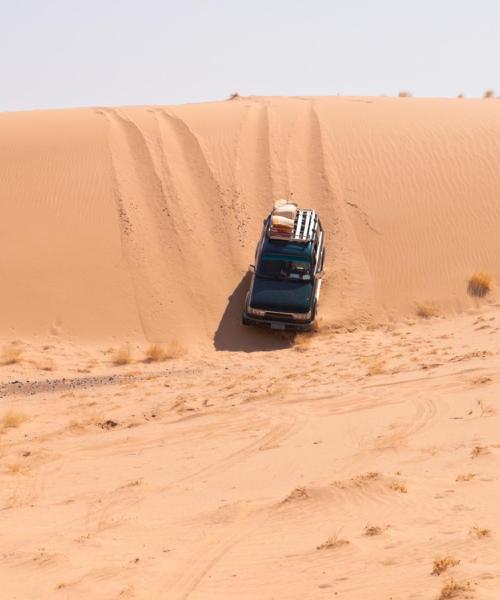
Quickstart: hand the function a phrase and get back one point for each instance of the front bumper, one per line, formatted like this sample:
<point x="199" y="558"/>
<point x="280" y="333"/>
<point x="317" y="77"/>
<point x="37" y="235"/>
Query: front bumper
<point x="279" y="324"/>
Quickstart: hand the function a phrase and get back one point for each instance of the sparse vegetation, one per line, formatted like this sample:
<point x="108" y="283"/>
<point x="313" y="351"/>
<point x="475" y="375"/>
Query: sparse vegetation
<point x="377" y="367"/>
<point x="442" y="563"/>
<point x="453" y="589"/>
<point x="460" y="96"/>
<point x="372" y="530"/>
<point x="299" y="493"/>
<point x="155" y="353"/>
<point x="480" y="532"/>
<point x="108" y="424"/>
<point x="234" y="96"/>
<point x="398" y="486"/>
<point x="426" y="311"/>
<point x="489" y="94"/>
<point x="45" y="364"/>
<point x="12" y="419"/>
<point x="478" y="451"/>
<point x="480" y="380"/>
<point x="158" y="353"/>
<point x="479" y="284"/>
<point x="404" y="94"/>
<point x="334" y="541"/>
<point x="122" y="356"/>
<point x="11" y="355"/>
<point x="357" y="481"/>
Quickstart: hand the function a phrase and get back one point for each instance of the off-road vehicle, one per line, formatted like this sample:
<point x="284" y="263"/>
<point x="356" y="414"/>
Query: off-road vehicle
<point x="286" y="277"/>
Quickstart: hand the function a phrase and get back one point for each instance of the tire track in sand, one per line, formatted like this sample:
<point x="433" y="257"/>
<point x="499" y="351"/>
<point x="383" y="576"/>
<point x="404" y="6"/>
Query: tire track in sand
<point x="348" y="285"/>
<point x="142" y="214"/>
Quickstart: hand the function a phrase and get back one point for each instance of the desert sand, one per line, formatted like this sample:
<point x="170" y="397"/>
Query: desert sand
<point x="358" y="462"/>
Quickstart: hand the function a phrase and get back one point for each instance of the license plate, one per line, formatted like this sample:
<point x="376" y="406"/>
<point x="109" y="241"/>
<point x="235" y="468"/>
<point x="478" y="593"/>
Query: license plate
<point x="278" y="326"/>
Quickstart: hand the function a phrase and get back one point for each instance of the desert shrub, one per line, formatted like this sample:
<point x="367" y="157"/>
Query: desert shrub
<point x="122" y="356"/>
<point x="489" y="94"/>
<point x="480" y="532"/>
<point x="377" y="366"/>
<point x="372" y="530"/>
<point x="442" y="563"/>
<point x="454" y="589"/>
<point x="158" y="353"/>
<point x="404" y="94"/>
<point x="334" y="541"/>
<point x="12" y="418"/>
<point x="479" y="284"/>
<point x="398" y="486"/>
<point x="11" y="355"/>
<point x="426" y="311"/>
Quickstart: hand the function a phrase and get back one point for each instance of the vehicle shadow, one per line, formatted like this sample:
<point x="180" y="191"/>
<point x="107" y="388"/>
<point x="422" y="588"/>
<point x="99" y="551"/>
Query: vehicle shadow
<point x="231" y="335"/>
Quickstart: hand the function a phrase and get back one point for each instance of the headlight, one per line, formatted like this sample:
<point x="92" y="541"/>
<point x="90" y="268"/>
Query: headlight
<point x="256" y="311"/>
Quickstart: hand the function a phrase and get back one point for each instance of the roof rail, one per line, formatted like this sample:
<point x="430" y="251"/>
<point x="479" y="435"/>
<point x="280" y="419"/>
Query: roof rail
<point x="304" y="227"/>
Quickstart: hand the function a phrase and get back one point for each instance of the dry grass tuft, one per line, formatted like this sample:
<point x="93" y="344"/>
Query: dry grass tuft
<point x="299" y="493"/>
<point x="155" y="353"/>
<point x="479" y="284"/>
<point x="426" y="311"/>
<point x="465" y="477"/>
<point x="453" y="589"/>
<point x="11" y="355"/>
<point x="489" y="94"/>
<point x="398" y="486"/>
<point x="480" y="380"/>
<point x="334" y="541"/>
<point x="478" y="451"/>
<point x="372" y="530"/>
<point x="404" y="94"/>
<point x="12" y="419"/>
<point x="234" y="96"/>
<point x="357" y="481"/>
<point x="158" y="353"/>
<point x="377" y="367"/>
<point x="441" y="564"/>
<point x="122" y="356"/>
<point x="460" y="96"/>
<point x="45" y="364"/>
<point x="480" y="532"/>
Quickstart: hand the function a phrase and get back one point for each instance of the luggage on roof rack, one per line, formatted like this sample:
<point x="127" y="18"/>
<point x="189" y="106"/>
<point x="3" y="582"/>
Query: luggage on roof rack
<point x="302" y="228"/>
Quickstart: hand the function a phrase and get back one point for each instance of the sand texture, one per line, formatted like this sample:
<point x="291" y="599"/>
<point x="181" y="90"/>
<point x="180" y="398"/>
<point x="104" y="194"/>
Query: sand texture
<point x="359" y="462"/>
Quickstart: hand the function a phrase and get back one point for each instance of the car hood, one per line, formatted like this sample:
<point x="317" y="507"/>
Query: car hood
<point x="281" y="296"/>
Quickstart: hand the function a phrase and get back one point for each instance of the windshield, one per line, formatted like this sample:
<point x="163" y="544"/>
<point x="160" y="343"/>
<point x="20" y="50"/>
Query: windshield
<point x="281" y="266"/>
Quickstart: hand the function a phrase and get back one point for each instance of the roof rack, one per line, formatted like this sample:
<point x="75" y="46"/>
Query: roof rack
<point x="304" y="227"/>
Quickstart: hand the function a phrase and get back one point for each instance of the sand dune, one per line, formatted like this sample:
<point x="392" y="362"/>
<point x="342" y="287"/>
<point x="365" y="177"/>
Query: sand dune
<point x="141" y="222"/>
<point x="359" y="462"/>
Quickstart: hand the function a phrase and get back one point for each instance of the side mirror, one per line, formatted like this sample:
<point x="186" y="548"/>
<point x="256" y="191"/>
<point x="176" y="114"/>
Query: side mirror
<point x="251" y="268"/>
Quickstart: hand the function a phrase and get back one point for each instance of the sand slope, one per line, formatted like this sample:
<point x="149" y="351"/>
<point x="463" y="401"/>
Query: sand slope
<point x="141" y="222"/>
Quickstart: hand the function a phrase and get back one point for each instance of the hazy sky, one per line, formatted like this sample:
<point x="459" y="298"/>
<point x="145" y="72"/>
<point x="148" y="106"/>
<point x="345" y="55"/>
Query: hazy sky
<point x="58" y="53"/>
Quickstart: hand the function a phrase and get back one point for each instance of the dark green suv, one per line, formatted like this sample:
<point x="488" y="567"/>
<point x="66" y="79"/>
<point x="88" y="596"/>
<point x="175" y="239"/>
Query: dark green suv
<point x="286" y="281"/>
